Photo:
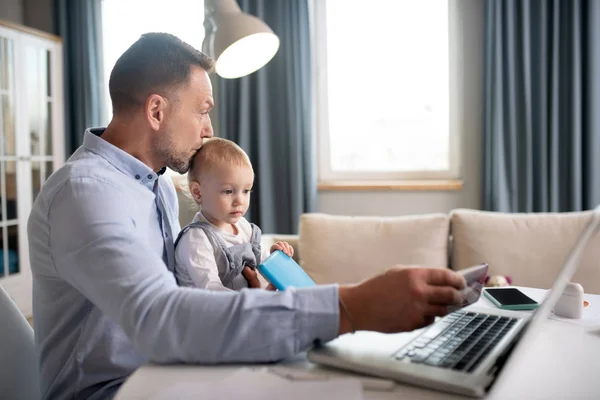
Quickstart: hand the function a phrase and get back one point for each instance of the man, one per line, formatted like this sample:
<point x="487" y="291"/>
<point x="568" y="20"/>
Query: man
<point x="101" y="247"/>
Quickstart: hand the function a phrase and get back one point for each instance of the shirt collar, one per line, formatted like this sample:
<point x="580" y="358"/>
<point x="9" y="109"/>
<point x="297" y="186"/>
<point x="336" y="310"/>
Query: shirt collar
<point x="118" y="158"/>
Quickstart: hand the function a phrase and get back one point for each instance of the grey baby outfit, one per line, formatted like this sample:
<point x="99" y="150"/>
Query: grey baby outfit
<point x="238" y="256"/>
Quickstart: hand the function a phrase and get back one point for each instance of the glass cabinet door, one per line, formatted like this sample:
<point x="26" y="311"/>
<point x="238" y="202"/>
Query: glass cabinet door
<point x="40" y="105"/>
<point x="9" y="218"/>
<point x="31" y="115"/>
<point x="40" y="108"/>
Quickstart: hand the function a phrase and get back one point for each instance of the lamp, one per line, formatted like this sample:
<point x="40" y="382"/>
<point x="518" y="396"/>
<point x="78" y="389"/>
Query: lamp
<point x="238" y="42"/>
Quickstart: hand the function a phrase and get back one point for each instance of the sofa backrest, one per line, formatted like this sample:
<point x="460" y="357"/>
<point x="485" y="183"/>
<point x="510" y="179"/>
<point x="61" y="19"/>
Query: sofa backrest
<point x="530" y="248"/>
<point x="346" y="249"/>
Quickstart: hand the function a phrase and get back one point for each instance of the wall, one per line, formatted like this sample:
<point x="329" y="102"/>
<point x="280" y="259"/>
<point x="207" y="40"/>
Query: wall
<point x="37" y="14"/>
<point x="12" y="10"/>
<point x="469" y="47"/>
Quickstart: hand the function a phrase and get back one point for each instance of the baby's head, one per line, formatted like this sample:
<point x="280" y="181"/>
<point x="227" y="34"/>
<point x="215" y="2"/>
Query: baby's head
<point x="220" y="180"/>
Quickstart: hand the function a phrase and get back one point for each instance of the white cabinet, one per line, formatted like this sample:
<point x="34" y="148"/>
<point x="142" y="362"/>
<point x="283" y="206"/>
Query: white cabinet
<point x="31" y="142"/>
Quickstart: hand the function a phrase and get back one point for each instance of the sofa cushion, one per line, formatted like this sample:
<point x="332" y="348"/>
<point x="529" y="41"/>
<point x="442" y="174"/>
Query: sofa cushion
<point x="349" y="249"/>
<point x="530" y="248"/>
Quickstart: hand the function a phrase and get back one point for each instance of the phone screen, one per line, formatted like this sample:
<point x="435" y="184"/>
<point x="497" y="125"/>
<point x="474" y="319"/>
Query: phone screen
<point x="510" y="296"/>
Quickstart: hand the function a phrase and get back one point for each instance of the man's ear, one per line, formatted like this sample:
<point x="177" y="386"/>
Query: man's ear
<point x="155" y="110"/>
<point x="195" y="191"/>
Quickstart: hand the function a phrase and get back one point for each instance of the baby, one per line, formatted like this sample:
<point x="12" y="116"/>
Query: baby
<point x="212" y="251"/>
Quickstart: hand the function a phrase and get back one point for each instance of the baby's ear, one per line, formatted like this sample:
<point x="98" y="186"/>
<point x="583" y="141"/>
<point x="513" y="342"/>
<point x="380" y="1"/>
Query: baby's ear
<point x="195" y="191"/>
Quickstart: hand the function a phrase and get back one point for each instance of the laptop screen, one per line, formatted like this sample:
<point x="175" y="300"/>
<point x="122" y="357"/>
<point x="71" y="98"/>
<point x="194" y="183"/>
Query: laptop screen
<point x="568" y="270"/>
<point x="561" y="281"/>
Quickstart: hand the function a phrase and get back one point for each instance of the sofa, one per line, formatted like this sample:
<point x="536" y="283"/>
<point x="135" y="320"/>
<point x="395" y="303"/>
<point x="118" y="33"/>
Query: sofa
<point x="530" y="248"/>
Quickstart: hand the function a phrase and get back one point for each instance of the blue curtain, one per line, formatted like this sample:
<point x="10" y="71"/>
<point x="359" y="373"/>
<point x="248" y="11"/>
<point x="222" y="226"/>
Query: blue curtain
<point x="541" y="105"/>
<point x="79" y="23"/>
<point x="268" y="113"/>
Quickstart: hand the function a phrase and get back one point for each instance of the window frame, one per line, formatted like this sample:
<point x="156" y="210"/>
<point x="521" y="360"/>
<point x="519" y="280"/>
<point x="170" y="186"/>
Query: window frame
<point x="321" y="118"/>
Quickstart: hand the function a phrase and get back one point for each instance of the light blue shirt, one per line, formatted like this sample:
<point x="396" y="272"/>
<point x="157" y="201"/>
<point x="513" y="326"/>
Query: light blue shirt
<point x="105" y="300"/>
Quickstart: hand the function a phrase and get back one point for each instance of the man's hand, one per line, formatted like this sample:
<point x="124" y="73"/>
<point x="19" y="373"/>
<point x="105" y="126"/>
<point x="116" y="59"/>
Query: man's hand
<point x="253" y="282"/>
<point x="283" y="246"/>
<point x="401" y="299"/>
<point x="252" y="277"/>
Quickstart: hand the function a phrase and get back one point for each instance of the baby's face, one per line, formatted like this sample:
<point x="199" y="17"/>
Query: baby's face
<point x="226" y="194"/>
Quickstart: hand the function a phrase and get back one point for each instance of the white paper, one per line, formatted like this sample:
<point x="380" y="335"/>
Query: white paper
<point x="249" y="384"/>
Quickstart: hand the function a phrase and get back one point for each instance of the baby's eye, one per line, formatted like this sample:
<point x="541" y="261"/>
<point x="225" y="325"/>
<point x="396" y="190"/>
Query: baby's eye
<point x="227" y="191"/>
<point x="247" y="191"/>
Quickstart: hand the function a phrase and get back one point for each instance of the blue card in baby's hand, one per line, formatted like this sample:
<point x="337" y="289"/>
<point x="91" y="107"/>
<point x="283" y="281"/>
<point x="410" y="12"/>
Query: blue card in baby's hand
<point x="282" y="271"/>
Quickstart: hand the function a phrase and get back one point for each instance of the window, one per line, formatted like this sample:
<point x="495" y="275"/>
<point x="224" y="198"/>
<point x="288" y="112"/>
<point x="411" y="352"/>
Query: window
<point x="383" y="90"/>
<point x="124" y="21"/>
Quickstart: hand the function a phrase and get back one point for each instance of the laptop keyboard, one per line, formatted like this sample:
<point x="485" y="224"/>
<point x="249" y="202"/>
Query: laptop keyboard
<point x="459" y="341"/>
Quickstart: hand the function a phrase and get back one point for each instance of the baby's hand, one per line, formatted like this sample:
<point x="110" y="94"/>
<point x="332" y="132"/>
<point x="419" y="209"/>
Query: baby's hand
<point x="283" y="246"/>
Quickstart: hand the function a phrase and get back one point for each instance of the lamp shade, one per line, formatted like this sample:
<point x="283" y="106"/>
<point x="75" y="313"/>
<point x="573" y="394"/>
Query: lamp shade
<point x="238" y="42"/>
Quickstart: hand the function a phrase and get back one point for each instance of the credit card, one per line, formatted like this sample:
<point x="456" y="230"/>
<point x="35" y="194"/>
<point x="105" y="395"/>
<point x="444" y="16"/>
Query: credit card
<point x="475" y="279"/>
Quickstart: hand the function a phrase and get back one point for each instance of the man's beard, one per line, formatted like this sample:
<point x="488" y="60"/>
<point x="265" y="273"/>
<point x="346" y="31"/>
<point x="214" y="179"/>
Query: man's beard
<point x="178" y="161"/>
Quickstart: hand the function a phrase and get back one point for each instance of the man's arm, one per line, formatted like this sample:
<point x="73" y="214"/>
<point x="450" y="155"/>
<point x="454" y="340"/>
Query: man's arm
<point x="102" y="255"/>
<point x="195" y="254"/>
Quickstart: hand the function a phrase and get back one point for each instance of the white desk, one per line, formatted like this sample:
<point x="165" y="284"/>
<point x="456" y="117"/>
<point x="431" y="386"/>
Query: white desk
<point x="563" y="363"/>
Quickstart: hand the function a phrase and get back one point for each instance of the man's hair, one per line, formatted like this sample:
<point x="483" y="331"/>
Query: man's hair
<point x="217" y="153"/>
<point x="157" y="63"/>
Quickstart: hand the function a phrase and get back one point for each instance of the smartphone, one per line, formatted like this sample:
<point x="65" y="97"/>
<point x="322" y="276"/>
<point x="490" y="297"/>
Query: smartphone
<point x="510" y="299"/>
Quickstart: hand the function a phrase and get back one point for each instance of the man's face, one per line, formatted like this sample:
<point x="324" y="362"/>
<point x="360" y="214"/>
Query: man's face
<point x="187" y="122"/>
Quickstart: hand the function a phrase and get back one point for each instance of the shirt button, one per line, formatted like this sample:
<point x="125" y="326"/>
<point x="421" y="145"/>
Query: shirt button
<point x="149" y="176"/>
<point x="167" y="234"/>
<point x="137" y="177"/>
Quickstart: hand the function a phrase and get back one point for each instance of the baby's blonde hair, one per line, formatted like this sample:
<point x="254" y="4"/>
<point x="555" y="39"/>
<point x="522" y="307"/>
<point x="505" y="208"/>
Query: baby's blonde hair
<point x="214" y="153"/>
<point x="217" y="153"/>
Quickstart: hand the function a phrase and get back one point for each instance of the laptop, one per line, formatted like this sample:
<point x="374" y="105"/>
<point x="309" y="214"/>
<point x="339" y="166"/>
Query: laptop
<point x="463" y="352"/>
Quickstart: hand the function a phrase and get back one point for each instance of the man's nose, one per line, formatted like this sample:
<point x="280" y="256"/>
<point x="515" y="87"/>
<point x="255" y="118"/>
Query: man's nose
<point x="207" y="131"/>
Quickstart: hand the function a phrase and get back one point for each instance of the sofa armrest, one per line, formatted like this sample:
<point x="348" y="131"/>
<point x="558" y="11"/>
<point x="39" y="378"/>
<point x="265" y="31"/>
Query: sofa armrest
<point x="268" y="240"/>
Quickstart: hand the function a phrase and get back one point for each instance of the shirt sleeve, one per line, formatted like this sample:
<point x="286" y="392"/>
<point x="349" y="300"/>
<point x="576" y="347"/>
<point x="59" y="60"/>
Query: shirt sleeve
<point x="195" y="254"/>
<point x="96" y="248"/>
